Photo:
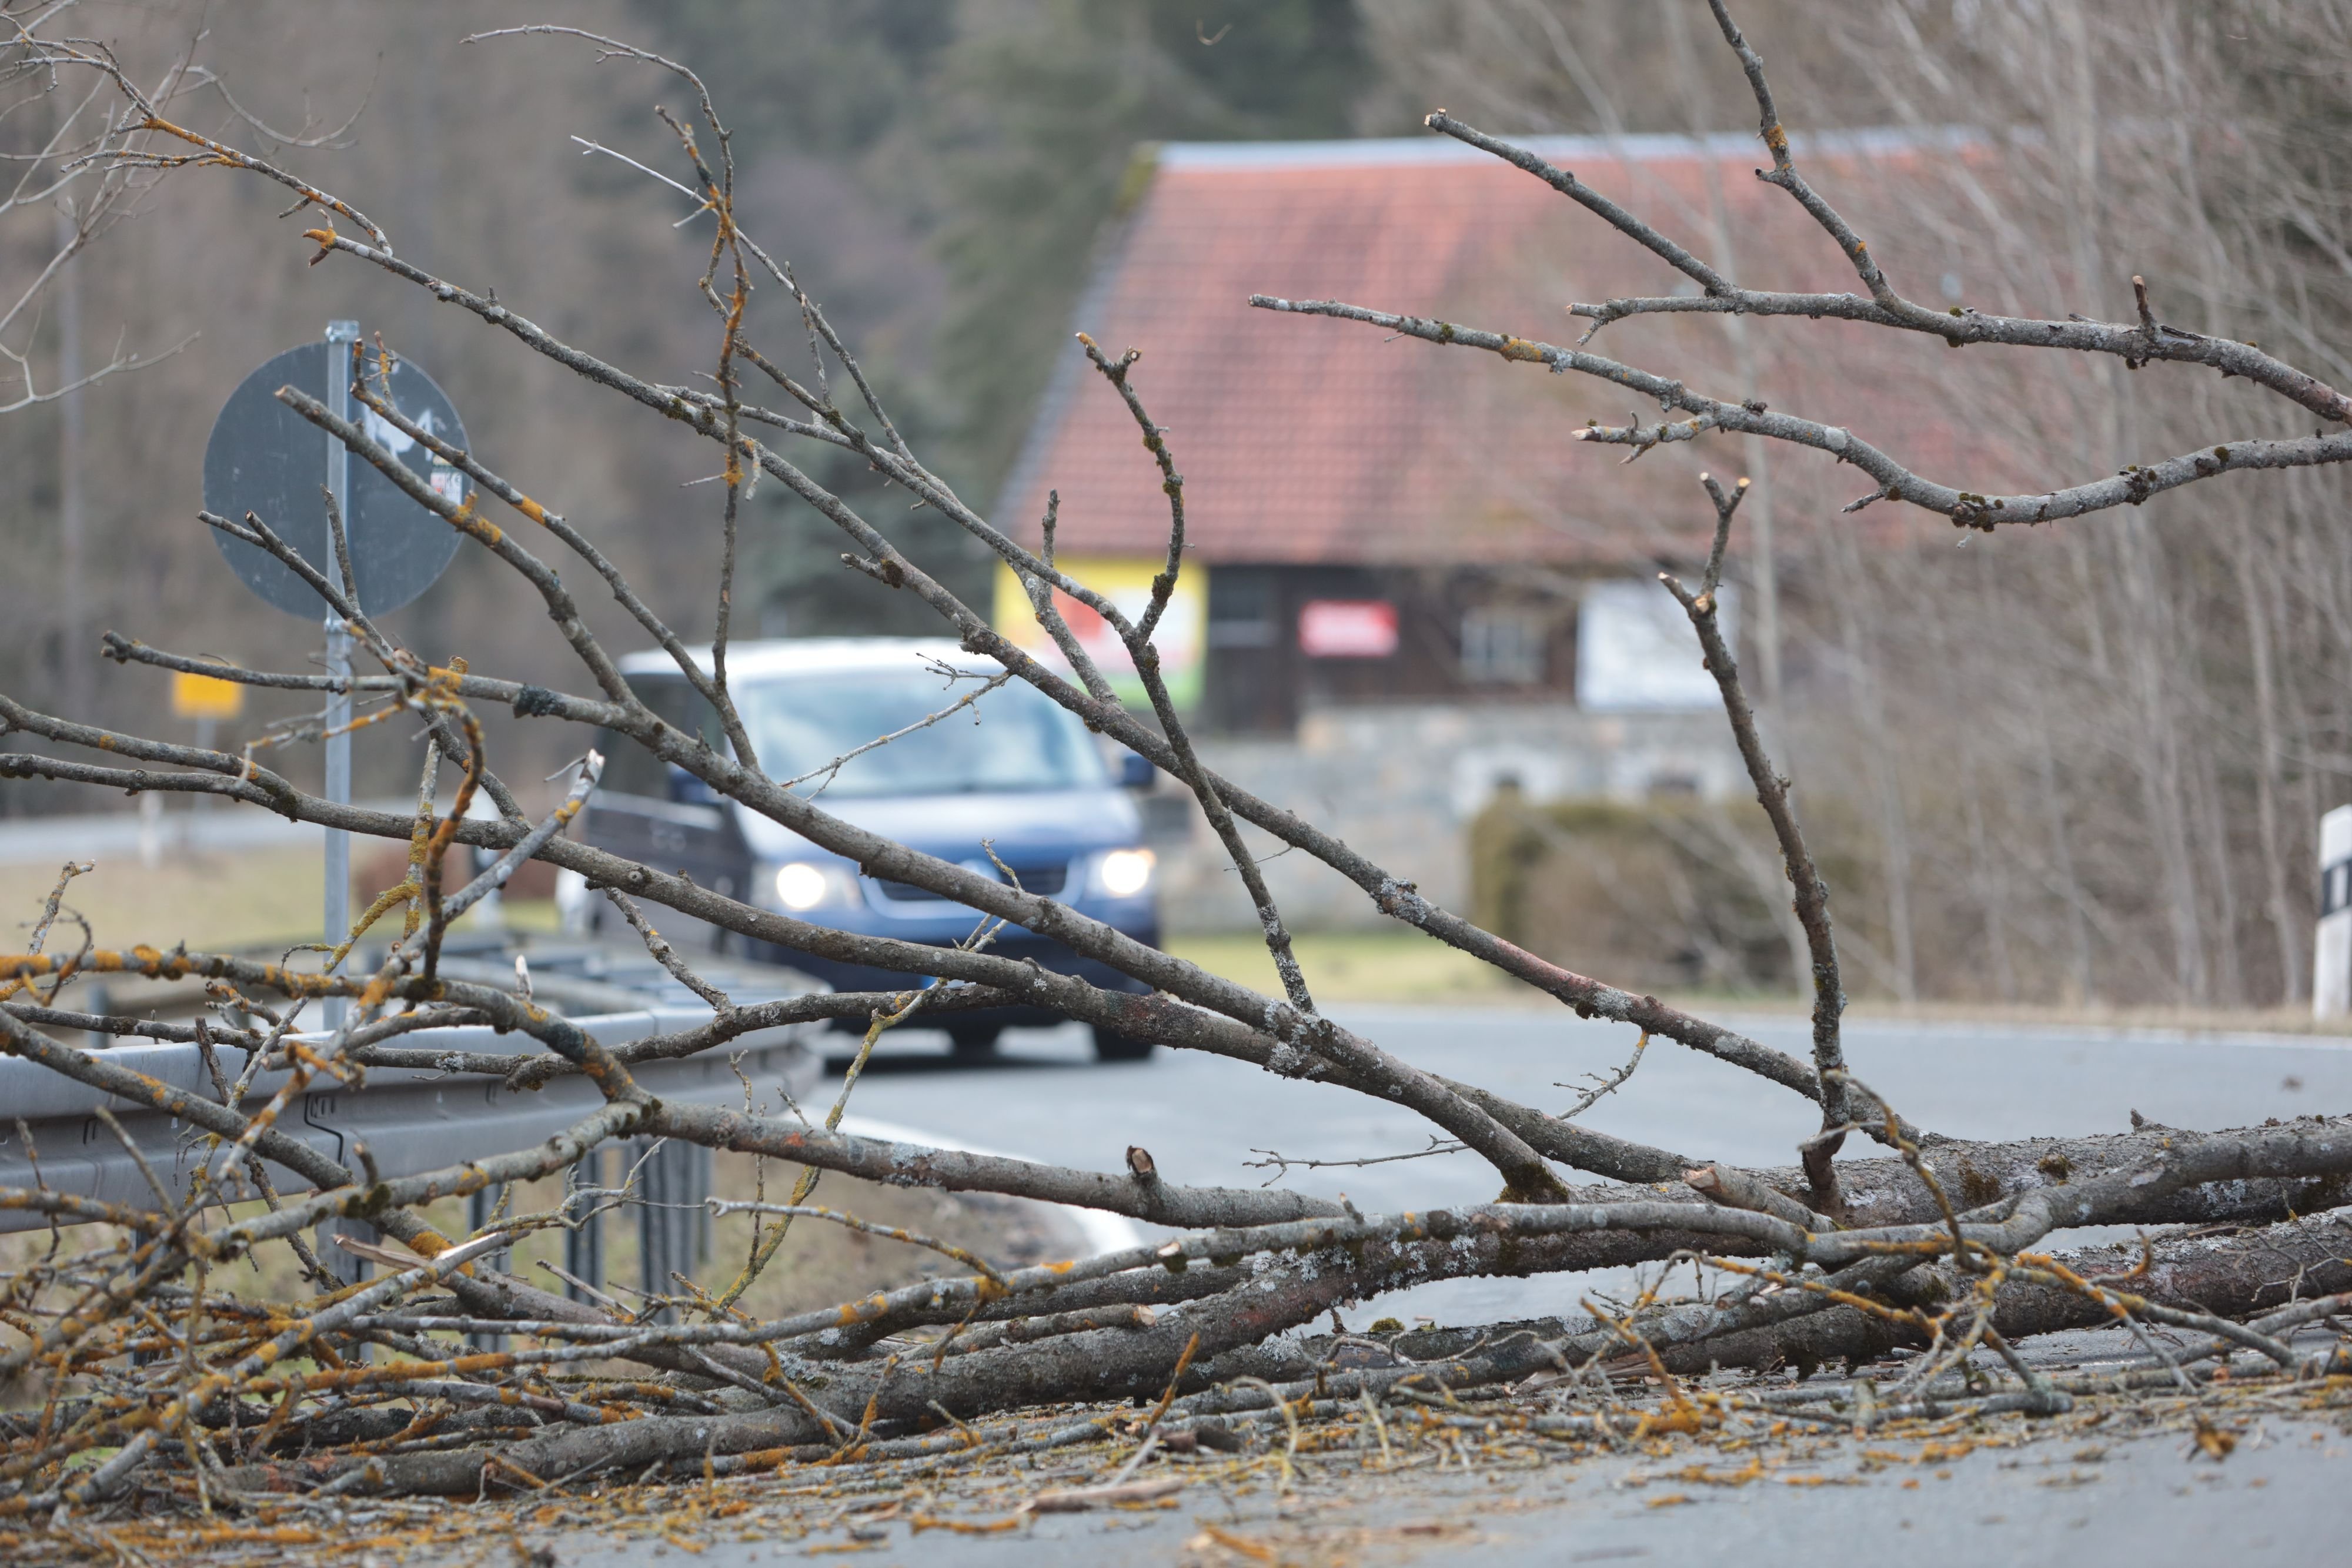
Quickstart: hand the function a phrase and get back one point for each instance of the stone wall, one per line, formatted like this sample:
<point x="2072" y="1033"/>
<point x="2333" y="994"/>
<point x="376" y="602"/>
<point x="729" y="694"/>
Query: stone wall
<point x="1401" y="782"/>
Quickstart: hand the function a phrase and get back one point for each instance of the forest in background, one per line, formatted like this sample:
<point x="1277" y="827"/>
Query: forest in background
<point x="936" y="172"/>
<point x="2088" y="770"/>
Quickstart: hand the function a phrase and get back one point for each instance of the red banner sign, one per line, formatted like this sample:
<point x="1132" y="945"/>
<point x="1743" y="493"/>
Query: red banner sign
<point x="1348" y="629"/>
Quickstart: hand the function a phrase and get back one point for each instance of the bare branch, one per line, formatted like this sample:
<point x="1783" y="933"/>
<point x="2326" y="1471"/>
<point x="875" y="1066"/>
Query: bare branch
<point x="1811" y="895"/>
<point x="1966" y="508"/>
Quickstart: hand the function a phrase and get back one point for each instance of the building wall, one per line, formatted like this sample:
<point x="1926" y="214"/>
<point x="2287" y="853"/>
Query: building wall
<point x="1401" y="782"/>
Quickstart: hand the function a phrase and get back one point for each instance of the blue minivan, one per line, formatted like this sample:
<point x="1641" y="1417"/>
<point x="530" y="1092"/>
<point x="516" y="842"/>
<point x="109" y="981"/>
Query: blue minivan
<point x="1008" y="772"/>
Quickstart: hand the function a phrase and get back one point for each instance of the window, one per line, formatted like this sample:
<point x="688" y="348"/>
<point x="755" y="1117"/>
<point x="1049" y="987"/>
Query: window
<point x="1635" y="651"/>
<point x="1242" y="612"/>
<point x="1503" y="647"/>
<point x="631" y="770"/>
<point x="1013" y="738"/>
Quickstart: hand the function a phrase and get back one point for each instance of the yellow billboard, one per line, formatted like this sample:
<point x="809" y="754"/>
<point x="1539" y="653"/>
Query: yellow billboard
<point x="1127" y="583"/>
<point x="205" y="696"/>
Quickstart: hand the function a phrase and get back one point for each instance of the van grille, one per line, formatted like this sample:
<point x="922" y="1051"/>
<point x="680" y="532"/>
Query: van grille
<point x="1047" y="881"/>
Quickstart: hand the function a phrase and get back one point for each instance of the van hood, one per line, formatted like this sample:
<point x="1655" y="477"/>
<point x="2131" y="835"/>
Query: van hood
<point x="1046" y="824"/>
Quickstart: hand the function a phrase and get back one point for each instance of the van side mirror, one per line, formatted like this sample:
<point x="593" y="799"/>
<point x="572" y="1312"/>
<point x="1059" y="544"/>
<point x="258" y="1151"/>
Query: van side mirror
<point x="1135" y="770"/>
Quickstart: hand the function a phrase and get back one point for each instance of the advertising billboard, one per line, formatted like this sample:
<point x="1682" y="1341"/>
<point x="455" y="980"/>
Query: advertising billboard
<point x="1127" y="584"/>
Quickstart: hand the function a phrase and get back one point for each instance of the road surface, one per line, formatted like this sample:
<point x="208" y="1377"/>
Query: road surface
<point x="1203" y="1117"/>
<point x="2148" y="1499"/>
<point x="2280" y="1498"/>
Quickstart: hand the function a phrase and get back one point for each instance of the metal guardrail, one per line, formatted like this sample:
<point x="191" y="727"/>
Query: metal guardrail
<point x="414" y="1120"/>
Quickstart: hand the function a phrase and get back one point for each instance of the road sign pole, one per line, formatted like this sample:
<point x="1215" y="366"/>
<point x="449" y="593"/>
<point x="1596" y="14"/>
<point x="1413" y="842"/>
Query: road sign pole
<point x="262" y="458"/>
<point x="340" y="334"/>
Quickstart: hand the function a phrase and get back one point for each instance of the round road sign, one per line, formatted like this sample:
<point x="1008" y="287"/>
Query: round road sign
<point x="264" y="458"/>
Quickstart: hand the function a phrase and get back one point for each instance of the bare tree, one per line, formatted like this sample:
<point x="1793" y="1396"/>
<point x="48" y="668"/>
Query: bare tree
<point x="1930" y="1244"/>
<point x="68" y="175"/>
<point x="65" y="188"/>
<point x="2152" y="677"/>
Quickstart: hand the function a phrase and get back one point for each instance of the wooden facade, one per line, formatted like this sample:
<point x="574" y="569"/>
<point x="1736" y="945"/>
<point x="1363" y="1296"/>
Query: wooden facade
<point x="1462" y="633"/>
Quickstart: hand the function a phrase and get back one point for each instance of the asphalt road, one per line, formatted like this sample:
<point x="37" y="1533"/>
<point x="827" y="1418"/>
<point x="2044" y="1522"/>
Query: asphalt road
<point x="2281" y="1497"/>
<point x="1202" y="1117"/>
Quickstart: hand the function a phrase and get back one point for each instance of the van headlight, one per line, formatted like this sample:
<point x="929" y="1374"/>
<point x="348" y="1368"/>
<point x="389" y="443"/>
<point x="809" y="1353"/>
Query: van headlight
<point x="803" y="885"/>
<point x="1124" y="874"/>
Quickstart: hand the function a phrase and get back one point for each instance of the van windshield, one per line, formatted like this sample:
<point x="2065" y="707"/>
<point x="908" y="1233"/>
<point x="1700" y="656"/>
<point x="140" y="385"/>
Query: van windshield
<point x="1013" y="738"/>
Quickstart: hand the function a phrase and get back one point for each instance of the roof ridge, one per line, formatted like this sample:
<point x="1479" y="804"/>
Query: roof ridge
<point x="1371" y="151"/>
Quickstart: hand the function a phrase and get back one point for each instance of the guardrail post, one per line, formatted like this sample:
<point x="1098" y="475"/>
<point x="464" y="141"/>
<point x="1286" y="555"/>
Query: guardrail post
<point x="481" y="1207"/>
<point x="583" y="1239"/>
<point x="672" y="1225"/>
<point x="348" y="1267"/>
<point x="144" y="1357"/>
<point x="702" y="1188"/>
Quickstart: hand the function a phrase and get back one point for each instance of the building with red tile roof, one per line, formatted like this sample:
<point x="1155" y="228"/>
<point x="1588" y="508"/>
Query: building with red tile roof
<point x="1327" y="463"/>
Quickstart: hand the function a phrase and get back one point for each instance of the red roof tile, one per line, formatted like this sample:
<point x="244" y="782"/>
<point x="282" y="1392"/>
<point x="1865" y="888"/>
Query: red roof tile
<point x="1311" y="440"/>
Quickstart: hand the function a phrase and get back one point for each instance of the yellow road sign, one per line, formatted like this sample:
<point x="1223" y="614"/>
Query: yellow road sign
<point x="204" y="696"/>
